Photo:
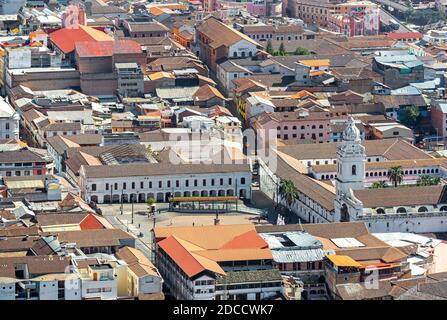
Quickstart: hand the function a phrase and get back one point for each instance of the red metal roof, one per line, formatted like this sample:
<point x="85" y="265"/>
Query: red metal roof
<point x="106" y="48"/>
<point x="90" y="223"/>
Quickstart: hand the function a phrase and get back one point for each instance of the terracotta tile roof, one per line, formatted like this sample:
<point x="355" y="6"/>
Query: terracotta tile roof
<point x="66" y="38"/>
<point x="37" y="265"/>
<point x="60" y="218"/>
<point x="190" y="263"/>
<point x="94" y="238"/>
<point x="404" y="35"/>
<point x="391" y="149"/>
<point x="220" y="34"/>
<point x="207" y="92"/>
<point x="407" y="196"/>
<point x="139" y="169"/>
<point x="137" y="262"/>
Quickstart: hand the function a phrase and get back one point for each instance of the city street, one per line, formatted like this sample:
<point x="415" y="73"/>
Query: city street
<point x="143" y="224"/>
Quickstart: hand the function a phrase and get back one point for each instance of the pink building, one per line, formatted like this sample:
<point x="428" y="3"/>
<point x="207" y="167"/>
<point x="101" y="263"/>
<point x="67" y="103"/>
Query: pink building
<point x="301" y="126"/>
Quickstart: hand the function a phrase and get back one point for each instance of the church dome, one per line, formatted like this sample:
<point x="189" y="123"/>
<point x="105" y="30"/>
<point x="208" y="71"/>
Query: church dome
<point x="351" y="133"/>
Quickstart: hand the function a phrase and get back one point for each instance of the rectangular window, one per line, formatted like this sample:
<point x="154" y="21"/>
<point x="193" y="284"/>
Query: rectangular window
<point x="150" y="184"/>
<point x="160" y="184"/>
<point x="187" y="183"/>
<point x="177" y="184"/>
<point x="195" y="183"/>
<point x="141" y="185"/>
<point x="230" y="181"/>
<point x="169" y="183"/>
<point x="133" y="185"/>
<point x="107" y="186"/>
<point x="94" y="187"/>
<point x="242" y="180"/>
<point x="204" y="183"/>
<point x="212" y="182"/>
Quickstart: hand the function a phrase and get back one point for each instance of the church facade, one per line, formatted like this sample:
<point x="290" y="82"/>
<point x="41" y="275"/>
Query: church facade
<point x="401" y="209"/>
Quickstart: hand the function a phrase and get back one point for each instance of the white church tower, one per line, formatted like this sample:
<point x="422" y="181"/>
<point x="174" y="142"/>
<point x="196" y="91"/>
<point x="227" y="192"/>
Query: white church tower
<point x="351" y="160"/>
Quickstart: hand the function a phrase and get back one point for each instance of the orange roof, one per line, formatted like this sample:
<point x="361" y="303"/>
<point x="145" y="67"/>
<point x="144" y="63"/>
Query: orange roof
<point x="316" y="73"/>
<point x="106" y="48"/>
<point x="247" y="239"/>
<point x="315" y="63"/>
<point x="205" y="236"/>
<point x="343" y="261"/>
<point x="156" y="11"/>
<point x="404" y="35"/>
<point x="236" y="254"/>
<point x="192" y="264"/>
<point x="196" y="249"/>
<point x="36" y="44"/>
<point x="160" y="75"/>
<point x="66" y="38"/>
<point x="301" y="94"/>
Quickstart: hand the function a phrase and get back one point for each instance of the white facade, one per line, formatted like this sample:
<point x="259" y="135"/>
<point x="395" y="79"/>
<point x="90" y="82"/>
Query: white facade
<point x="7" y="289"/>
<point x="159" y="187"/>
<point x="242" y="49"/>
<point x="257" y="105"/>
<point x="305" y="208"/>
<point x="9" y="121"/>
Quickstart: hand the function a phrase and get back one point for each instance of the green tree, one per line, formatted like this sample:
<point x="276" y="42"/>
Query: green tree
<point x="301" y="51"/>
<point x="426" y="180"/>
<point x="269" y="47"/>
<point x="282" y="50"/>
<point x="379" y="185"/>
<point x="150" y="202"/>
<point x="395" y="175"/>
<point x="288" y="191"/>
<point x="411" y="116"/>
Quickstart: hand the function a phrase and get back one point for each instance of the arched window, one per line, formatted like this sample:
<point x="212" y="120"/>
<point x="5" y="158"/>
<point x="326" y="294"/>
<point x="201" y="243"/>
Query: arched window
<point x="278" y="128"/>
<point x="354" y="170"/>
<point x="367" y="174"/>
<point x="294" y="127"/>
<point x="401" y="210"/>
<point x="380" y="211"/>
<point x="313" y="127"/>
<point x="422" y="209"/>
<point x="286" y="127"/>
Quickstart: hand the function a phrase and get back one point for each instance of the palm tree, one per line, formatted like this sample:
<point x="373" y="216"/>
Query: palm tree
<point x="379" y="184"/>
<point x="395" y="175"/>
<point x="426" y="180"/>
<point x="288" y="191"/>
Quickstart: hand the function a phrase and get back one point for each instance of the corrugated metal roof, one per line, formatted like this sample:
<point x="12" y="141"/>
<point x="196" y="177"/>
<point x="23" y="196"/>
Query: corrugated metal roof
<point x="289" y="256"/>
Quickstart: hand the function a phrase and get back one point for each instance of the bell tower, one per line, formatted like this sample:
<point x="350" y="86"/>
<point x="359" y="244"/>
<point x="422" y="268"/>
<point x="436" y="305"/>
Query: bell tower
<point x="351" y="160"/>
